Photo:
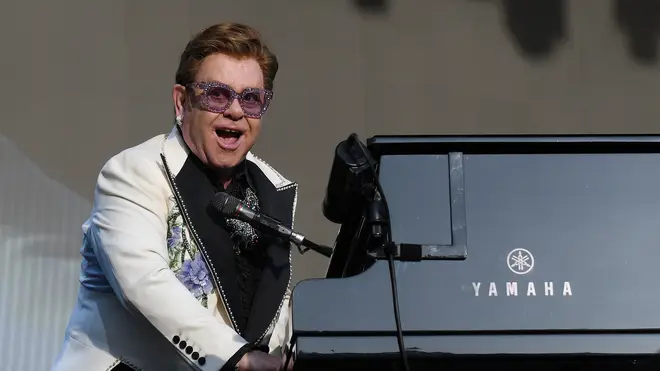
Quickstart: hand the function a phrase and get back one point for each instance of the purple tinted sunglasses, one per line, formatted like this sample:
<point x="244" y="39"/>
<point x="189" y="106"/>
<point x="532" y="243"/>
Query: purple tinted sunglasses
<point x="217" y="97"/>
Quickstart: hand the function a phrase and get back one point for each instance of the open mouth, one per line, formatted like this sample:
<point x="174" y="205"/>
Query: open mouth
<point x="228" y="133"/>
<point x="229" y="139"/>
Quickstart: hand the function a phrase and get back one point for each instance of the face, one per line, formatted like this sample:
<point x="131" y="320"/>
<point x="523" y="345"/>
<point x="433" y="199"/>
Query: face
<point x="221" y="112"/>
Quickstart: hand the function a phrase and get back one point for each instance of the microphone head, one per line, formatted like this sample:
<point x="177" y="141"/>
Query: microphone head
<point x="225" y="203"/>
<point x="342" y="194"/>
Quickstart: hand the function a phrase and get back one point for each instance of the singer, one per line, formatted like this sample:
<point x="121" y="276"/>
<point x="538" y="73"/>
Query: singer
<point x="167" y="283"/>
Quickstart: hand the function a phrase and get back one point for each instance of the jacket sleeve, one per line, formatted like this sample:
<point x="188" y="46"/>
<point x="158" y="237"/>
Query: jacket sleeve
<point x="129" y="232"/>
<point x="281" y="335"/>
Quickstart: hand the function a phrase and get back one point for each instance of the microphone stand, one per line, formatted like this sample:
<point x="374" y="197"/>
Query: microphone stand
<point x="303" y="244"/>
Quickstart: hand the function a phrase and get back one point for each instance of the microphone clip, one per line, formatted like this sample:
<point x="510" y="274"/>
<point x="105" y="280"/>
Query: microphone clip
<point x="307" y="245"/>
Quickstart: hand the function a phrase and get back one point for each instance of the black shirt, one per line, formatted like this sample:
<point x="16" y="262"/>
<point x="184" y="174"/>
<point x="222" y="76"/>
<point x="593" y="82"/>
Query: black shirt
<point x="249" y="257"/>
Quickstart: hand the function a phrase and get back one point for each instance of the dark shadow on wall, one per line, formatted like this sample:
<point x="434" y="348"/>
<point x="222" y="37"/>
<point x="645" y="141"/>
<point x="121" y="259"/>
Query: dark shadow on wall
<point x="537" y="26"/>
<point x="372" y="6"/>
<point x="639" y="21"/>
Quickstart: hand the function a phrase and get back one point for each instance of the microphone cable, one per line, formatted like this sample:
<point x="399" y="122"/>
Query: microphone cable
<point x="389" y="251"/>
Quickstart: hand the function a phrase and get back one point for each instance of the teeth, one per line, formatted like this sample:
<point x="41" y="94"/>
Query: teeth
<point x="230" y="132"/>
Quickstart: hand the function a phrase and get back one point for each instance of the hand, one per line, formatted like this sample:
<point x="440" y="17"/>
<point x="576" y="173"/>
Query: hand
<point x="259" y="361"/>
<point x="289" y="367"/>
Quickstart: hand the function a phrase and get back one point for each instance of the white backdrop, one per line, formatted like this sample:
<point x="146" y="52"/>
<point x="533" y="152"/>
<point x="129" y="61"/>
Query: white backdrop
<point x="39" y="240"/>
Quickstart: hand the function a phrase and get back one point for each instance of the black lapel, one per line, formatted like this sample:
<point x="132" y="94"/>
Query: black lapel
<point x="196" y="190"/>
<point x="275" y="277"/>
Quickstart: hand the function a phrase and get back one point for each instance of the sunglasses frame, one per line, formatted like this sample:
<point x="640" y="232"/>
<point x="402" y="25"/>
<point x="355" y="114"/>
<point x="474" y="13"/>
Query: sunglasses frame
<point x="206" y="86"/>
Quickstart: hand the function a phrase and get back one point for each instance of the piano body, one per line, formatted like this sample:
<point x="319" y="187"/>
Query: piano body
<point x="536" y="253"/>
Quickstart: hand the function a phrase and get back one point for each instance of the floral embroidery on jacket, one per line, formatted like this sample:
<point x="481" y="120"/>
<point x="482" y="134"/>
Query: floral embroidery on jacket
<point x="185" y="259"/>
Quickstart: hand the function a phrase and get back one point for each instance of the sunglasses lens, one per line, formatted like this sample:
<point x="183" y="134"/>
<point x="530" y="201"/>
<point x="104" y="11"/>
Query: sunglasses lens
<point x="253" y="102"/>
<point x="218" y="98"/>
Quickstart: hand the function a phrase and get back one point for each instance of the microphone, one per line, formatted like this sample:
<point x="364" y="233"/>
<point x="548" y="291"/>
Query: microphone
<point x="349" y="173"/>
<point x="231" y="207"/>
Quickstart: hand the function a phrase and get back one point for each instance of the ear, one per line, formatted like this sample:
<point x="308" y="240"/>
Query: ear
<point x="179" y="100"/>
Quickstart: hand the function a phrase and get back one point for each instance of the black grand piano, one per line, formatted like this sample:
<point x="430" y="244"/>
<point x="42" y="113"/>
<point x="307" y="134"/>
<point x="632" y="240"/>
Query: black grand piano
<point x="531" y="253"/>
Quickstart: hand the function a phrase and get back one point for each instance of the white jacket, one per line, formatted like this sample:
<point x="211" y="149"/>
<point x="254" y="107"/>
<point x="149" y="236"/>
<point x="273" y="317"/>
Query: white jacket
<point x="148" y="229"/>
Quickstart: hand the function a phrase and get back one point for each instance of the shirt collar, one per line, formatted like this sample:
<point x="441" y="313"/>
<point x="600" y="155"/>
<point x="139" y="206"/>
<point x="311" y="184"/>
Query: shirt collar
<point x="242" y="175"/>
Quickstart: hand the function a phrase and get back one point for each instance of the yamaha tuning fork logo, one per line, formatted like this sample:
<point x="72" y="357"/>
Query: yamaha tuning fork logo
<point x="521" y="263"/>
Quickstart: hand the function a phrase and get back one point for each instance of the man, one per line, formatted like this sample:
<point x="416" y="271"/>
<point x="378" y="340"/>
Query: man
<point x="167" y="283"/>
